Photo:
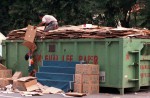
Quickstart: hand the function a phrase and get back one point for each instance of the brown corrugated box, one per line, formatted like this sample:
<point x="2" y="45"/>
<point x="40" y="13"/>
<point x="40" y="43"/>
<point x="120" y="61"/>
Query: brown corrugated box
<point x="78" y="78"/>
<point x="86" y="79"/>
<point x="26" y="84"/>
<point x="78" y="88"/>
<point x="90" y="79"/>
<point x="30" y="34"/>
<point x="6" y="73"/>
<point x="19" y="85"/>
<point x="31" y="85"/>
<point x="87" y="69"/>
<point x="5" y="81"/>
<point x="91" y="88"/>
<point x="79" y="69"/>
<point x="2" y="67"/>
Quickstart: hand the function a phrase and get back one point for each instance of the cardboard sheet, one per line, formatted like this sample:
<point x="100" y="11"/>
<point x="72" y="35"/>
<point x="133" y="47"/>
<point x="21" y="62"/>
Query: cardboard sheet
<point x="30" y="34"/>
<point x="75" y="94"/>
<point x="17" y="75"/>
<point x="26" y="78"/>
<point x="31" y="46"/>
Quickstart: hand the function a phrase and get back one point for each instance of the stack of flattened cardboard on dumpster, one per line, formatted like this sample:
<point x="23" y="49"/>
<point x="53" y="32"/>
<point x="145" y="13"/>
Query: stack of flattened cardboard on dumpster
<point x="87" y="78"/>
<point x="76" y="32"/>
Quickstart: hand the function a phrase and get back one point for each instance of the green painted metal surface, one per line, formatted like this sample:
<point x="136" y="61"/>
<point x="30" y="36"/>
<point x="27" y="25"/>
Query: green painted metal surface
<point x="124" y="63"/>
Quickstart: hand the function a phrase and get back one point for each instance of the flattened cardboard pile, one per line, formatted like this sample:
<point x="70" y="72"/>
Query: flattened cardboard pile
<point x="26" y="86"/>
<point x="76" y="32"/>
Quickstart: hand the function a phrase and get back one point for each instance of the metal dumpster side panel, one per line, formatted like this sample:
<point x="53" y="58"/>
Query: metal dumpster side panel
<point x="129" y="73"/>
<point x="136" y="64"/>
<point x="113" y="55"/>
<point x="13" y="55"/>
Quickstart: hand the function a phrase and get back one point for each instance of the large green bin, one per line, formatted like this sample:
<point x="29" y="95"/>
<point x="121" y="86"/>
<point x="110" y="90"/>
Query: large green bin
<point x="124" y="62"/>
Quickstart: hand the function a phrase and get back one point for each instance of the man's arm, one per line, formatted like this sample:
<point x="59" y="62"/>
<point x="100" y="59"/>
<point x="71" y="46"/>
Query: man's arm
<point x="40" y="24"/>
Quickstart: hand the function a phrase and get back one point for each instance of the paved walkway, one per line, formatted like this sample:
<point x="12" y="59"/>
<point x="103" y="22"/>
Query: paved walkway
<point x="101" y="95"/>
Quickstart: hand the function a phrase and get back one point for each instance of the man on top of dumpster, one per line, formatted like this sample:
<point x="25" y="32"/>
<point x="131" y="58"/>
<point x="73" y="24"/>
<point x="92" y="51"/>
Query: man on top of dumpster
<point x="49" y="21"/>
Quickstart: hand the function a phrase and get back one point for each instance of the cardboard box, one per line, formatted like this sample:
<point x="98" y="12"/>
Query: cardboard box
<point x="4" y="82"/>
<point x="17" y="75"/>
<point x="87" y="69"/>
<point x="78" y="88"/>
<point x="79" y="69"/>
<point x="19" y="85"/>
<point x="78" y="78"/>
<point x="30" y="34"/>
<point x="86" y="79"/>
<point x="91" y="89"/>
<point x="90" y="69"/>
<point x="26" y="84"/>
<point x="6" y="73"/>
<point x="2" y="67"/>
<point x="31" y="85"/>
<point x="90" y="79"/>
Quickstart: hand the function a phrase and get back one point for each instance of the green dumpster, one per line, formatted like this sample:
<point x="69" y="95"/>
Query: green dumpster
<point x="124" y="62"/>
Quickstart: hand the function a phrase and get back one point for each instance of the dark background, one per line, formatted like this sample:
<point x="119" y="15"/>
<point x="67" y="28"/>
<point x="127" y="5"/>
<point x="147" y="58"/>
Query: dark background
<point x="16" y="14"/>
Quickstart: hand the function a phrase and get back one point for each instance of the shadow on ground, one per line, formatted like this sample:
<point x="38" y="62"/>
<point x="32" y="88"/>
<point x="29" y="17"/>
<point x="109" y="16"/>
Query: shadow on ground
<point x="127" y="91"/>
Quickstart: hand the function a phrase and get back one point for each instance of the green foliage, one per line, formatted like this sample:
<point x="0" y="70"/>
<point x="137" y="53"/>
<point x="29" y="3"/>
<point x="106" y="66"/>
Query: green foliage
<point x="15" y="14"/>
<point x="144" y="15"/>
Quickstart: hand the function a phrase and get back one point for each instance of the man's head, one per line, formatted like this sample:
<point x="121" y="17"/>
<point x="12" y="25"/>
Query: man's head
<point x="40" y="15"/>
<point x="26" y="56"/>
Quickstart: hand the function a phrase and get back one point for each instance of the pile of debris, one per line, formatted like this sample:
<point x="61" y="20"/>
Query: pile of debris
<point x="26" y="86"/>
<point x="76" y="32"/>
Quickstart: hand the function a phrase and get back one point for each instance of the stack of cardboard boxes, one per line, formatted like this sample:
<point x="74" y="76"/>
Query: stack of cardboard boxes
<point x="87" y="78"/>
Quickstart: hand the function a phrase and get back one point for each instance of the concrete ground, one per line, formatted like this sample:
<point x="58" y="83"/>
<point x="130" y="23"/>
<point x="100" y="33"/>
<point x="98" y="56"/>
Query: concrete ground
<point x="141" y="94"/>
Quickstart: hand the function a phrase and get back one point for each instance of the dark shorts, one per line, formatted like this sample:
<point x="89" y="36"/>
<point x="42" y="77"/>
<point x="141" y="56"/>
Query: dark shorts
<point x="51" y="26"/>
<point x="30" y="68"/>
